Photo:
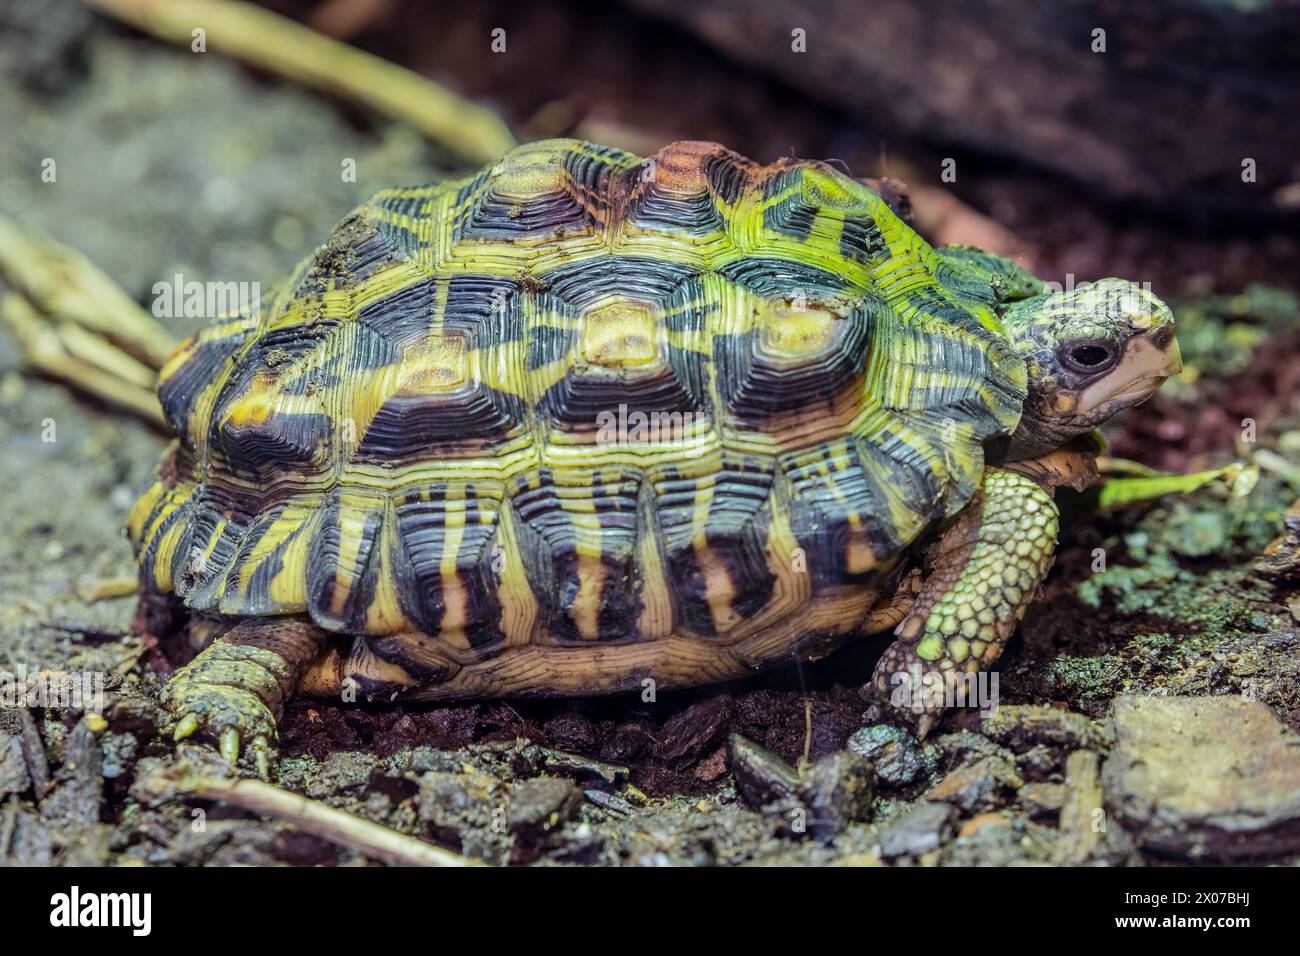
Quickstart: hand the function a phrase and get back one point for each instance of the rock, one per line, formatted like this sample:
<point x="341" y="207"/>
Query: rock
<point x="611" y="803"/>
<point x="1039" y="762"/>
<point x="1213" y="778"/>
<point x="13" y="768"/>
<point x="975" y="826"/>
<point x="627" y="741"/>
<point x="571" y="731"/>
<point x="840" y="789"/>
<point x="965" y="747"/>
<point x="894" y="753"/>
<point x="1082" y="824"/>
<point x="32" y="843"/>
<point x="543" y="804"/>
<point x="426" y="759"/>
<point x="585" y="770"/>
<point x="468" y="809"/>
<point x="996" y="839"/>
<point x="1042" y="799"/>
<point x="761" y="776"/>
<point x="984" y="785"/>
<point x="1021" y="726"/>
<point x="120" y="753"/>
<point x="73" y="805"/>
<point x="695" y="732"/>
<point x="1280" y="562"/>
<point x="347" y="771"/>
<point x="920" y="830"/>
<point x="451" y="800"/>
<point x="33" y="748"/>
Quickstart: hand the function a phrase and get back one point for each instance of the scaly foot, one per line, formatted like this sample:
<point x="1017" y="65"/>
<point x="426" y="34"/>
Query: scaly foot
<point x="235" y="690"/>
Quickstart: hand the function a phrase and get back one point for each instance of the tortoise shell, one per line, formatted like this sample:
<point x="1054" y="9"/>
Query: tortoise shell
<point x="582" y="398"/>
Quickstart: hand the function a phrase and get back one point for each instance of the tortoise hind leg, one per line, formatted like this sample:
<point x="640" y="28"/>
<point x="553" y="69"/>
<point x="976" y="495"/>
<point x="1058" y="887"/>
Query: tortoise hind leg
<point x="983" y="572"/>
<point x="236" y="689"/>
<point x="384" y="668"/>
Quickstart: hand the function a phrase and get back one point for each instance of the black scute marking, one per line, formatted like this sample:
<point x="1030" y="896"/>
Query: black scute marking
<point x="149" y="556"/>
<point x="736" y="533"/>
<point x="498" y="215"/>
<point x="430" y="424"/>
<point x="205" y="365"/>
<point x="692" y="212"/>
<point x="585" y="401"/>
<point x="773" y="277"/>
<point x="354" y="251"/>
<point x="409" y="208"/>
<point x="323" y="572"/>
<point x="791" y="216"/>
<point x="861" y="240"/>
<point x="283" y="441"/>
<point x="728" y="175"/>
<point x="422" y="541"/>
<point x="403" y="317"/>
<point x="257" y="596"/>
<point x="821" y="508"/>
<point x="583" y="283"/>
<point x="548" y="544"/>
<point x="207" y="554"/>
<point x="483" y="306"/>
<point x="547" y="344"/>
<point x="687" y="309"/>
<point x="274" y="354"/>
<point x="758" y="387"/>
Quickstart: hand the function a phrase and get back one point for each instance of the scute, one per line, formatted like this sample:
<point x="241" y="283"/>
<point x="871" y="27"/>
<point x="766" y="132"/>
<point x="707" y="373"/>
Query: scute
<point x="579" y="397"/>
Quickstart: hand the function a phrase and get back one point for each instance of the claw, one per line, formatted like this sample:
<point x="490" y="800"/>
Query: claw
<point x="261" y="754"/>
<point x="230" y="744"/>
<point x="924" y="724"/>
<point x="188" y="724"/>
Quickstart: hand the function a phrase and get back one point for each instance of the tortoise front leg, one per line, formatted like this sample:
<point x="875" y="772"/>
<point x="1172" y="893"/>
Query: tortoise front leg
<point x="236" y="689"/>
<point x="983" y="572"/>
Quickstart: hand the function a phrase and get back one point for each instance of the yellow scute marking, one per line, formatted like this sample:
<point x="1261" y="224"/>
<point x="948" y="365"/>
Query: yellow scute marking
<point x="620" y="334"/>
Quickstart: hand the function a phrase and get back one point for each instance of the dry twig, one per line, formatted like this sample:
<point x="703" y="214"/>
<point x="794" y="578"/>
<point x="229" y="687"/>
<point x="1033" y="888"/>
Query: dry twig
<point x="318" y="819"/>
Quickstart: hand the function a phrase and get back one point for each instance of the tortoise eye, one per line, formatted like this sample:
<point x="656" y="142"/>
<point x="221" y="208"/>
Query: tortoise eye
<point x="1089" y="357"/>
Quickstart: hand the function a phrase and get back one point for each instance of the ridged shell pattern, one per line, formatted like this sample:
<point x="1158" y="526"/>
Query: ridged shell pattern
<point x="579" y="397"/>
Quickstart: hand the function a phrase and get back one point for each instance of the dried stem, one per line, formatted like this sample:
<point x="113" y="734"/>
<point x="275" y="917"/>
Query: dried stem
<point x="44" y="350"/>
<point x="71" y="290"/>
<point x="318" y="819"/>
<point x="272" y="42"/>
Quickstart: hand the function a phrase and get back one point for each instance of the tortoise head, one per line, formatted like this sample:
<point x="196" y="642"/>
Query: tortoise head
<point x="1090" y="352"/>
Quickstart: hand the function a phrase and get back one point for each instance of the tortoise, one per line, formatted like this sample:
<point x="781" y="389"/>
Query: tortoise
<point x="582" y="422"/>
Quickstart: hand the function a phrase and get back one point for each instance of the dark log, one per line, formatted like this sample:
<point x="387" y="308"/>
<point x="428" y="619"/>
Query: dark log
<point x="1183" y="94"/>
